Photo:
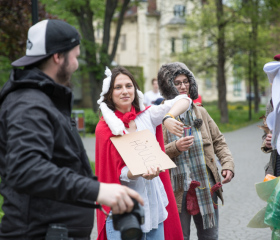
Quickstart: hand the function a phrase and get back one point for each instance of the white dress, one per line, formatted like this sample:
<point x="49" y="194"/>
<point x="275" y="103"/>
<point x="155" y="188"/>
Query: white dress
<point x="152" y="191"/>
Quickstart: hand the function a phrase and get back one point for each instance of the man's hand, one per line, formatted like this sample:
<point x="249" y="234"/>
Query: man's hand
<point x="118" y="197"/>
<point x="174" y="126"/>
<point x="184" y="143"/>
<point x="268" y="140"/>
<point x="227" y="174"/>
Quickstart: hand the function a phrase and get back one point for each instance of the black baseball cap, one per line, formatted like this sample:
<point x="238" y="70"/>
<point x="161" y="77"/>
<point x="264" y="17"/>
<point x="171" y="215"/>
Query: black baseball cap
<point x="46" y="38"/>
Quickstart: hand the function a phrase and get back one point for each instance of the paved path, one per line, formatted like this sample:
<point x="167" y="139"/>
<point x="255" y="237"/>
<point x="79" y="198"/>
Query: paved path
<point x="89" y="144"/>
<point x="241" y="200"/>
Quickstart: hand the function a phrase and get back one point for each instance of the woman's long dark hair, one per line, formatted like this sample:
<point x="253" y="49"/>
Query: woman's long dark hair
<point x="108" y="96"/>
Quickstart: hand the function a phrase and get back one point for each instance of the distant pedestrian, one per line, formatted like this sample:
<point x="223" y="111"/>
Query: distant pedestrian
<point x="151" y="96"/>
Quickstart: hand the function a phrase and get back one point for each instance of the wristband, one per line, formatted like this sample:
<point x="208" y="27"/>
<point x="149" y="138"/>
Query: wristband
<point x="169" y="114"/>
<point x="165" y="118"/>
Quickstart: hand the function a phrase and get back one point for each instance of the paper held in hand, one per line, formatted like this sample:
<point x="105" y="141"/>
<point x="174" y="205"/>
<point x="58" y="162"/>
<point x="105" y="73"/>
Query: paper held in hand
<point x="140" y="150"/>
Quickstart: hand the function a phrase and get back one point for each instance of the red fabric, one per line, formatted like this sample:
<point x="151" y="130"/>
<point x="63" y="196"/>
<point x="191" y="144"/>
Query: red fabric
<point x="191" y="199"/>
<point x="108" y="165"/>
<point x="198" y="100"/>
<point x="214" y="189"/>
<point x="126" y="117"/>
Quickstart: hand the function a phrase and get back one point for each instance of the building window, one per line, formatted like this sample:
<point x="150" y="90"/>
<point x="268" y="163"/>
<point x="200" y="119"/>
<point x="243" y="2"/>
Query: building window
<point x="179" y="10"/>
<point x="123" y="42"/>
<point x="173" y="45"/>
<point x="185" y="44"/>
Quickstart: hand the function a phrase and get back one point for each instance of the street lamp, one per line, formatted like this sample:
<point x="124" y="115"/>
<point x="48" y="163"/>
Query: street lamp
<point x="34" y="11"/>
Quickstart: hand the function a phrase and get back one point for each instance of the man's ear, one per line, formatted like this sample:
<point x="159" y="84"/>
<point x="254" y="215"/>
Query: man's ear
<point x="57" y="58"/>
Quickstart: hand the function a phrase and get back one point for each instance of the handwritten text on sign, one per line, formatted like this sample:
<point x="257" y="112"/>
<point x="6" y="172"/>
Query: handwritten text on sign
<point x="140" y="150"/>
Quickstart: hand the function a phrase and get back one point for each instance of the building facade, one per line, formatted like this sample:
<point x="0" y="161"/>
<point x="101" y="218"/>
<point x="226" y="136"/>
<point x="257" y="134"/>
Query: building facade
<point x="153" y="33"/>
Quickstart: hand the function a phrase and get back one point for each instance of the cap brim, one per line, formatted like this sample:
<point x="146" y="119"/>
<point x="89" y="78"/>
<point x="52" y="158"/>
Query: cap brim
<point x="28" y="60"/>
<point x="277" y="57"/>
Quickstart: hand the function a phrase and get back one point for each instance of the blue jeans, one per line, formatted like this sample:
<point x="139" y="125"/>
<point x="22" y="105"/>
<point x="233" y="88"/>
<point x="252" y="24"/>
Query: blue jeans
<point x="154" y="234"/>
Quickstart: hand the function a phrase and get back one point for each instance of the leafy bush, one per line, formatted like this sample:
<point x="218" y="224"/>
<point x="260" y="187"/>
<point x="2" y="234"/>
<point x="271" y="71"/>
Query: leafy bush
<point x="239" y="107"/>
<point x="92" y="164"/>
<point x="91" y="120"/>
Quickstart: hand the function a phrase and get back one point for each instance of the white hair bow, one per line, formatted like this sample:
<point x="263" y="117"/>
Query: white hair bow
<point x="106" y="85"/>
<point x="273" y="119"/>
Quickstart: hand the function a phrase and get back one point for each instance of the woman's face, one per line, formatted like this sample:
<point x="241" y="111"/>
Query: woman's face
<point x="123" y="93"/>
<point x="182" y="84"/>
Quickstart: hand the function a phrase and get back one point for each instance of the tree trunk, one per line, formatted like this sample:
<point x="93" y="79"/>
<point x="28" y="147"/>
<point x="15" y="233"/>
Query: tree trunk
<point x="96" y="65"/>
<point x="118" y="29"/>
<point x="95" y="90"/>
<point x="250" y="77"/>
<point x="221" y="79"/>
<point x="254" y="22"/>
<point x="84" y="16"/>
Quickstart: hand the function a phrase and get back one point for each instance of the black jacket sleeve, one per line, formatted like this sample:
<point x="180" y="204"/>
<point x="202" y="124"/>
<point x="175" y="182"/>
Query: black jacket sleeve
<point x="28" y="164"/>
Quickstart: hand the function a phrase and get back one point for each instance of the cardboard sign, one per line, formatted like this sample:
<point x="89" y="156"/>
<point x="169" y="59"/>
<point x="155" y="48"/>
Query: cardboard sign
<point x="140" y="150"/>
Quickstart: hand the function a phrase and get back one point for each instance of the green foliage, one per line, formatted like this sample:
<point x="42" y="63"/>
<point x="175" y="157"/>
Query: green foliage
<point x="92" y="165"/>
<point x="5" y="68"/>
<point x="91" y="120"/>
<point x="238" y="115"/>
<point x="15" y="21"/>
<point x="62" y="8"/>
<point x="138" y="74"/>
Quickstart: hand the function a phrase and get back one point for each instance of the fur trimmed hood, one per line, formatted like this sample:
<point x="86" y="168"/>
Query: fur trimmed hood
<point x="167" y="73"/>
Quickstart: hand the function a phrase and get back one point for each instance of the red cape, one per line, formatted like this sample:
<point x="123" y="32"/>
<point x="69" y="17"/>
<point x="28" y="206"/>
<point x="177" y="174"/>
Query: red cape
<point x="108" y="165"/>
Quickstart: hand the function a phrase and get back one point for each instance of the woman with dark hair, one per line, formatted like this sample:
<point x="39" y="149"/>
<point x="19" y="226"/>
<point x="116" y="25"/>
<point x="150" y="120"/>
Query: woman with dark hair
<point x="121" y="104"/>
<point x="196" y="165"/>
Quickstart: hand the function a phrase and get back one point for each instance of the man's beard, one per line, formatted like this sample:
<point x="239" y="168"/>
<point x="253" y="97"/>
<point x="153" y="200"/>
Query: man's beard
<point x="63" y="75"/>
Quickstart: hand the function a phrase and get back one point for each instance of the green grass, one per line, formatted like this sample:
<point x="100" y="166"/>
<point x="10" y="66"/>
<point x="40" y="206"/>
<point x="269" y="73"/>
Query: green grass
<point x="92" y="164"/>
<point x="238" y="116"/>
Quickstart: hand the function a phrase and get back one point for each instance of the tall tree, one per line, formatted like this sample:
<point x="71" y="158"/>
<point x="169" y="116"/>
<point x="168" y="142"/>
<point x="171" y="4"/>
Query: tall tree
<point x="96" y="54"/>
<point x="237" y="33"/>
<point x="211" y="45"/>
<point x="261" y="21"/>
<point x="221" y="78"/>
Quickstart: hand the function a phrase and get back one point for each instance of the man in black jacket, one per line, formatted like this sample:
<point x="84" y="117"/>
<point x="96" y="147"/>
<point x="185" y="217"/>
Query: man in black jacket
<point x="45" y="173"/>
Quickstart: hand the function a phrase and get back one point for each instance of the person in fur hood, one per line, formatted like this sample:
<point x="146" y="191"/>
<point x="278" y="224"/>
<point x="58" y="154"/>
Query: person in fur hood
<point x="195" y="156"/>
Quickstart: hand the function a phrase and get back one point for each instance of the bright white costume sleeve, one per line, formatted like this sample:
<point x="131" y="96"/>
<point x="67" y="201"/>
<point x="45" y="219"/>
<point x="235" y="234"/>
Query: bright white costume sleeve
<point x="272" y="69"/>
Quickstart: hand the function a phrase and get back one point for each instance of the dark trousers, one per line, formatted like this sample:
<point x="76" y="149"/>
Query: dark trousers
<point x="202" y="234"/>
